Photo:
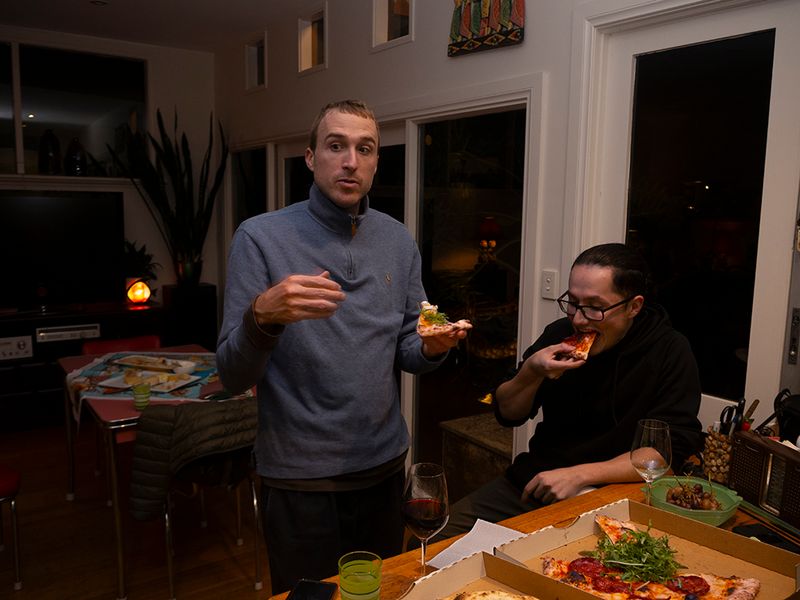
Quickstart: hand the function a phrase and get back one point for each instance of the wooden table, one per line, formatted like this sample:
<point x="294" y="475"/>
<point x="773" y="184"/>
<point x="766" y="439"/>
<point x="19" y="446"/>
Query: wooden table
<point x="400" y="571"/>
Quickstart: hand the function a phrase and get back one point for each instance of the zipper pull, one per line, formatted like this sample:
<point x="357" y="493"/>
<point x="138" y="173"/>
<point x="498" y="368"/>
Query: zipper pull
<point x="353" y="225"/>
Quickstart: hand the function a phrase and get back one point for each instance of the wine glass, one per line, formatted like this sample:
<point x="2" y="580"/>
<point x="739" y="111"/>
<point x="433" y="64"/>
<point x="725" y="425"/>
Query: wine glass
<point x="425" y="507"/>
<point x="651" y="452"/>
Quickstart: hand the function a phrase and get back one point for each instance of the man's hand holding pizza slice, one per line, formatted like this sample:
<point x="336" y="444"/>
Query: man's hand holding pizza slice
<point x="437" y="333"/>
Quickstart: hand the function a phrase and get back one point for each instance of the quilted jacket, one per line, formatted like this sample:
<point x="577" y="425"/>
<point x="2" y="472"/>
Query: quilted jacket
<point x="170" y="437"/>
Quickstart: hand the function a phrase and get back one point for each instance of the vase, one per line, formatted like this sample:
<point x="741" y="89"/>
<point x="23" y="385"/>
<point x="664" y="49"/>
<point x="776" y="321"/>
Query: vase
<point x="188" y="272"/>
<point x="75" y="159"/>
<point x="49" y="154"/>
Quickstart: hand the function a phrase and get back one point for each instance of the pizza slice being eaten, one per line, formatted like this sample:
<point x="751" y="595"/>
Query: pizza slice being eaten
<point x="432" y="322"/>
<point x="582" y="340"/>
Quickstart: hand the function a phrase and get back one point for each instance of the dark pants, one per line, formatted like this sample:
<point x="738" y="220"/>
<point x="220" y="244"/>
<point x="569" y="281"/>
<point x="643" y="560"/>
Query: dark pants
<point x="307" y="532"/>
<point x="496" y="501"/>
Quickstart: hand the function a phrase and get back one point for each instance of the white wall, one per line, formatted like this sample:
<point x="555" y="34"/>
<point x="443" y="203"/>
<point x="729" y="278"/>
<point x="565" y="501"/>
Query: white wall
<point x="405" y="77"/>
<point x="176" y="79"/>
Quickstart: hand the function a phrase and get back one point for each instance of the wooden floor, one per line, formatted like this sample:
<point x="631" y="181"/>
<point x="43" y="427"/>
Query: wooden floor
<point x="68" y="547"/>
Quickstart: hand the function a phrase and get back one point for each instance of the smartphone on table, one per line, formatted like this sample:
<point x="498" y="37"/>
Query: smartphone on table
<point x="309" y="589"/>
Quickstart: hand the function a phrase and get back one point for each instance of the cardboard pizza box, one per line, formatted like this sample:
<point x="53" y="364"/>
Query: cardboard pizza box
<point x="700" y="547"/>
<point x="478" y="572"/>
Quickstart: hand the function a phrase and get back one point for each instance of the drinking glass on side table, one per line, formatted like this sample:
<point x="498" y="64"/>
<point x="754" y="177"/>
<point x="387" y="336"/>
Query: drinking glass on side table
<point x="425" y="506"/>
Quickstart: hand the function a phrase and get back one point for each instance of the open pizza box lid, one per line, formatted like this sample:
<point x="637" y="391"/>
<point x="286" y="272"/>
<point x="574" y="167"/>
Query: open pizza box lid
<point x="700" y="547"/>
<point x="478" y="572"/>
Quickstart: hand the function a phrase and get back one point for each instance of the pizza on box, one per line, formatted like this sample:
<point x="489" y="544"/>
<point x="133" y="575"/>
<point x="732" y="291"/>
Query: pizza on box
<point x="629" y="564"/>
<point x="582" y="341"/>
<point x="488" y="595"/>
<point x="432" y="322"/>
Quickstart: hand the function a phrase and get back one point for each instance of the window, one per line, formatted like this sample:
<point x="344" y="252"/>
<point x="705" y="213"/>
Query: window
<point x="74" y="106"/>
<point x="249" y="184"/>
<point x="391" y="21"/>
<point x="256" y="64"/>
<point x="311" y="40"/>
<point x="7" y="151"/>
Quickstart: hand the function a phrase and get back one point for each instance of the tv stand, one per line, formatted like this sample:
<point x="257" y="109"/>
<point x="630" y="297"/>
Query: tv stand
<point x="31" y="342"/>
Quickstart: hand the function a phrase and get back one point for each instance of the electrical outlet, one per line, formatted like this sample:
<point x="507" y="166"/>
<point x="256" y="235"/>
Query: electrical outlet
<point x="549" y="284"/>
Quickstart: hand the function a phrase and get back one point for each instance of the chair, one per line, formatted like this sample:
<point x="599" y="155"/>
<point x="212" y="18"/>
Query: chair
<point x="9" y="488"/>
<point x="194" y="445"/>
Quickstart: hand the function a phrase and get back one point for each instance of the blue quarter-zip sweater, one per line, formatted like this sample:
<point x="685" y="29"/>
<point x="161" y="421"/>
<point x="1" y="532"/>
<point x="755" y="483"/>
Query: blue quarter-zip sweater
<point x="328" y="396"/>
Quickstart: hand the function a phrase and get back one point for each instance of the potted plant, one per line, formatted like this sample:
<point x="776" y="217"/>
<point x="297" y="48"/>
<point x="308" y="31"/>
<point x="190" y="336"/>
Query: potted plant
<point x="161" y="169"/>
<point x="138" y="263"/>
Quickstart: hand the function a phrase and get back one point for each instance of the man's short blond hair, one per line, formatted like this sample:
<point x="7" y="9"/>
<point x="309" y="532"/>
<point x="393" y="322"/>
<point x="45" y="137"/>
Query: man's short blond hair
<point x="352" y="107"/>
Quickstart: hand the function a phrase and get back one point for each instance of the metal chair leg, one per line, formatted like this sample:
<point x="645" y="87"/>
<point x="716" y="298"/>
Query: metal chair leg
<point x="239" y="539"/>
<point x="169" y="547"/>
<point x="257" y="520"/>
<point x="15" y="536"/>
<point x="203" y="516"/>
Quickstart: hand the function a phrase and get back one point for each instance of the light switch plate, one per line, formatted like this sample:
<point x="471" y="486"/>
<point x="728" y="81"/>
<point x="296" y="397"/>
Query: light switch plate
<point x="550" y="284"/>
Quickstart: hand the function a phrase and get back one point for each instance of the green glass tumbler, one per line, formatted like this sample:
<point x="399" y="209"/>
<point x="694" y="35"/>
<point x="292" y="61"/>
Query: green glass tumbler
<point x="360" y="576"/>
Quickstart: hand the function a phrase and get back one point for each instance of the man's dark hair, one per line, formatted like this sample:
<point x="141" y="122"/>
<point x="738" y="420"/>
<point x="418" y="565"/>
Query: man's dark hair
<point x="351" y="107"/>
<point x="631" y="276"/>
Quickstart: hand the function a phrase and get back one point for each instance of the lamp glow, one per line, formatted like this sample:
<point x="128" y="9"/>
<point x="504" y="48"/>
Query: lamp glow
<point x="138" y="292"/>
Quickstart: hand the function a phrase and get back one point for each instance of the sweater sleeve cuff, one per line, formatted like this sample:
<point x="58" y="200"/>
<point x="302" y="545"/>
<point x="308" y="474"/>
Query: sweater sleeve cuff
<point x="258" y="335"/>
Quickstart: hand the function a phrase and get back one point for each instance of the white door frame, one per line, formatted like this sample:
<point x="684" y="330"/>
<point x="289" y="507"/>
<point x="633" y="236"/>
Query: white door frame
<point x="594" y="24"/>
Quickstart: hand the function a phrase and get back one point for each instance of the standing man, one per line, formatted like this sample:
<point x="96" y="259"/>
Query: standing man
<point x="321" y="304"/>
<point x="638" y="367"/>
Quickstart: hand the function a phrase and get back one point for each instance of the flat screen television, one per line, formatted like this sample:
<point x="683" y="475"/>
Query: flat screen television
<point x="60" y="249"/>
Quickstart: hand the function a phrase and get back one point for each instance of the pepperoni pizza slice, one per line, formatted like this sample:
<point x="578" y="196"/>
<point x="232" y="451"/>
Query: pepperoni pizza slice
<point x="604" y="577"/>
<point x="582" y="340"/>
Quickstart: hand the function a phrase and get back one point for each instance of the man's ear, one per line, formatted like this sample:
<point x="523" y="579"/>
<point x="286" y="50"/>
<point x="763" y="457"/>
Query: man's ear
<point x="309" y="159"/>
<point x="635" y="305"/>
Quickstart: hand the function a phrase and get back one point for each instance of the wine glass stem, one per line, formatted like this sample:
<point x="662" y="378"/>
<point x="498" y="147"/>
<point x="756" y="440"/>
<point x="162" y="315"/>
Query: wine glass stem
<point x="423" y="544"/>
<point x="649" y="492"/>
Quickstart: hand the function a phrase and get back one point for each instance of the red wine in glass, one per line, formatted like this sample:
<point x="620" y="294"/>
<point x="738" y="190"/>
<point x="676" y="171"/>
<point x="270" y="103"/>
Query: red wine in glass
<point x="425" y="506"/>
<point x="424" y="516"/>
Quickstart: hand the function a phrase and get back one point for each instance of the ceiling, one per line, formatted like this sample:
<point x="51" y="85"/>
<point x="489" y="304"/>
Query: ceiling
<point x="191" y="24"/>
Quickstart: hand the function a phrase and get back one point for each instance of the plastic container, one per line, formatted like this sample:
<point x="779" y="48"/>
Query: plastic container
<point x="728" y="499"/>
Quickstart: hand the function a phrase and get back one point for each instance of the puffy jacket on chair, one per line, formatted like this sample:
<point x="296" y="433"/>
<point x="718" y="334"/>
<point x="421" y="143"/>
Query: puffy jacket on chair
<point x="171" y="436"/>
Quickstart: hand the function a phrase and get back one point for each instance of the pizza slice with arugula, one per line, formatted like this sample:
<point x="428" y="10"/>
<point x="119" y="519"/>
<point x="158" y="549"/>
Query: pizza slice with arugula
<point x="432" y="322"/>
<point x="629" y="563"/>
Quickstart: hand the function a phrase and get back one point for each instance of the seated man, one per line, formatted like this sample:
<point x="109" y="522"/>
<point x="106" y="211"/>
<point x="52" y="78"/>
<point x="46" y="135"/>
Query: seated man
<point x="638" y="367"/>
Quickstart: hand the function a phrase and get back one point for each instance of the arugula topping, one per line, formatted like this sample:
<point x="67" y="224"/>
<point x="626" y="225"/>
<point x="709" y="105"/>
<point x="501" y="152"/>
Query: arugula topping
<point x="434" y="318"/>
<point x="639" y="555"/>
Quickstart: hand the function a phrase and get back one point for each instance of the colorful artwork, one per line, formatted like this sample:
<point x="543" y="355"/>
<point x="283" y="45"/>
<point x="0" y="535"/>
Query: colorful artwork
<point x="485" y="24"/>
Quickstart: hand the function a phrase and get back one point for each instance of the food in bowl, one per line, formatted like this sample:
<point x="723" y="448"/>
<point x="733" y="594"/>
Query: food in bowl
<point x="692" y="496"/>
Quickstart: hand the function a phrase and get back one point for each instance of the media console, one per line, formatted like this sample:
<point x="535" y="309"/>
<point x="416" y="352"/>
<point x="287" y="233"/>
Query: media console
<point x="31" y="382"/>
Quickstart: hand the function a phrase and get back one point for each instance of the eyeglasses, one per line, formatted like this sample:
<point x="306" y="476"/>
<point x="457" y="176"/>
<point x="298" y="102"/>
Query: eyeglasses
<point x="591" y="313"/>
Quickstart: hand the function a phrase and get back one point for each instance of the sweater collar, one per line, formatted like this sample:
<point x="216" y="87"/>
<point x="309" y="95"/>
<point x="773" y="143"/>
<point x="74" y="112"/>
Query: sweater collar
<point x="331" y="216"/>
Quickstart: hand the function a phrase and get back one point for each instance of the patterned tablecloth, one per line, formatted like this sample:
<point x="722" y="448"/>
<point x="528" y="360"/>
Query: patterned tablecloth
<point x="87" y="382"/>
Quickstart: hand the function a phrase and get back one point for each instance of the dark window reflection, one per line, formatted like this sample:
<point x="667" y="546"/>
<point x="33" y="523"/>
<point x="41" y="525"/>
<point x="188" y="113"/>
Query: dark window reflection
<point x="249" y="183"/>
<point x="472" y="170"/>
<point x="8" y="162"/>
<point x="697" y="167"/>
<point x="75" y="104"/>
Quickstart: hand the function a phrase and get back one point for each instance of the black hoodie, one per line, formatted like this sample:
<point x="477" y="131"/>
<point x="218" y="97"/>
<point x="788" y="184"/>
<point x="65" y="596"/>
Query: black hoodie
<point x="589" y="414"/>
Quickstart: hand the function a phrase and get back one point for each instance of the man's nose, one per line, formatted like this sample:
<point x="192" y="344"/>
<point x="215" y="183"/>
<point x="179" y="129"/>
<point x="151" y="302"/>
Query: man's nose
<point x="350" y="158"/>
<point x="579" y="319"/>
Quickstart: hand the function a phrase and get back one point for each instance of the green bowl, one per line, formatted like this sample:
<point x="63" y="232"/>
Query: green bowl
<point x="728" y="499"/>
